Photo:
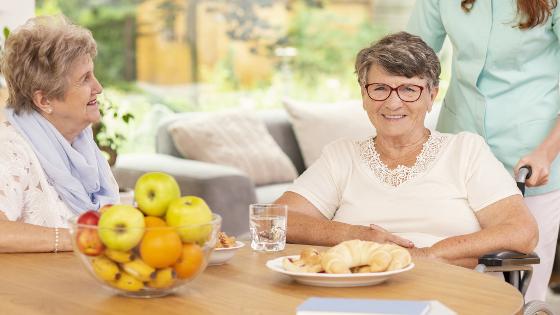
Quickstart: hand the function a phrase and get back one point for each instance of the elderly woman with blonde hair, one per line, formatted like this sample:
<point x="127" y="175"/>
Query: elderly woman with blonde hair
<point x="50" y="167"/>
<point x="443" y="196"/>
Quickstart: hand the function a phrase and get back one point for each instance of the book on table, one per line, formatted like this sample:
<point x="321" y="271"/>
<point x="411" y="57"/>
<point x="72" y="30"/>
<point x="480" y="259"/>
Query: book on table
<point x="347" y="306"/>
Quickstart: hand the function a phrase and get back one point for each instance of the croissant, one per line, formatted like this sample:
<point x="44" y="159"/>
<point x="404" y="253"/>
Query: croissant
<point x="401" y="258"/>
<point x="376" y="257"/>
<point x="311" y="256"/>
<point x="309" y="261"/>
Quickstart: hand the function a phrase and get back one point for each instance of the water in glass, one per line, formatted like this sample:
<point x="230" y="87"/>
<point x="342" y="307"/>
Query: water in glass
<point x="268" y="232"/>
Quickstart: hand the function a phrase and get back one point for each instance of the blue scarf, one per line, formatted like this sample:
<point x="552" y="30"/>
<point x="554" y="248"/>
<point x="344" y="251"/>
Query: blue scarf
<point x="79" y="173"/>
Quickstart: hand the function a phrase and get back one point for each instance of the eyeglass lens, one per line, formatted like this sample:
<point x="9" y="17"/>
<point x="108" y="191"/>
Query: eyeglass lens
<point x="406" y="92"/>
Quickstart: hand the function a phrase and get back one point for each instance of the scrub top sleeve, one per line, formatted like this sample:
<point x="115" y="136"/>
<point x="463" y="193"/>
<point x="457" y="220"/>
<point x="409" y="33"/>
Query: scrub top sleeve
<point x="556" y="22"/>
<point x="556" y="28"/>
<point x="425" y="21"/>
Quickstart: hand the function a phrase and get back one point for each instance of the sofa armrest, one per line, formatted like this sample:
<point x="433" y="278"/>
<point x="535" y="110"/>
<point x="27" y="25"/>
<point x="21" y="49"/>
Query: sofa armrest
<point x="227" y="190"/>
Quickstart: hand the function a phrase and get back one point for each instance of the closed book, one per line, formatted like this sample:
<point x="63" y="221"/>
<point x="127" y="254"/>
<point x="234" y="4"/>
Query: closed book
<point x="345" y="306"/>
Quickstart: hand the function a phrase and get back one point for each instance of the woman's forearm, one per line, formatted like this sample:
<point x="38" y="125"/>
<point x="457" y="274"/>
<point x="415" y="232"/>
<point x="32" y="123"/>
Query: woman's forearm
<point x="464" y="250"/>
<point x="22" y="237"/>
<point x="306" y="229"/>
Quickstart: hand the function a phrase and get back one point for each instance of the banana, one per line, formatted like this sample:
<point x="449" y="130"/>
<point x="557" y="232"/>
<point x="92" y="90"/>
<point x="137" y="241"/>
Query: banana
<point x="105" y="269"/>
<point x="119" y="256"/>
<point x="138" y="269"/>
<point x="128" y="283"/>
<point x="162" y="278"/>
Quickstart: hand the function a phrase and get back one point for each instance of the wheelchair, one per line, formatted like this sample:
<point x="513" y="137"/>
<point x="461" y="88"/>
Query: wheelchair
<point x="517" y="267"/>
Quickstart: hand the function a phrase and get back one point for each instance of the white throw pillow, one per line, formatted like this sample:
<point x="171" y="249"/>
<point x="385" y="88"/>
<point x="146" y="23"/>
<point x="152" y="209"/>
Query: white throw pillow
<point x="432" y="117"/>
<point x="316" y="125"/>
<point x="239" y="139"/>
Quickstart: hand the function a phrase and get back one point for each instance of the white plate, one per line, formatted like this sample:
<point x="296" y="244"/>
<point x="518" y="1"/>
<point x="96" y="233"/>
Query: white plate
<point x="334" y="280"/>
<point x="221" y="255"/>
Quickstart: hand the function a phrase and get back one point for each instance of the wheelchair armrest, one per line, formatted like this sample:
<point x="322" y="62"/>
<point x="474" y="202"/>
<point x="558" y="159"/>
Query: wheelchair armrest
<point x="508" y="258"/>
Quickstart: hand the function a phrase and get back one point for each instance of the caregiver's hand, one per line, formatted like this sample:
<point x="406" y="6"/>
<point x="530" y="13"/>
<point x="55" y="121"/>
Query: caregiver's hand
<point x="540" y="164"/>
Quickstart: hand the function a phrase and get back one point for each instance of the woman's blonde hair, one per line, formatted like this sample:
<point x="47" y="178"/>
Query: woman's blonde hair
<point x="37" y="56"/>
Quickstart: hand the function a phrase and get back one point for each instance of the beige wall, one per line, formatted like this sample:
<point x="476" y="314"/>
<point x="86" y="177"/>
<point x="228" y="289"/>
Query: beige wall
<point x="159" y="60"/>
<point x="164" y="61"/>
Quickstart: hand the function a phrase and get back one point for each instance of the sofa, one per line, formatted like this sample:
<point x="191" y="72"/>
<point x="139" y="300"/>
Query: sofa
<point x="227" y="190"/>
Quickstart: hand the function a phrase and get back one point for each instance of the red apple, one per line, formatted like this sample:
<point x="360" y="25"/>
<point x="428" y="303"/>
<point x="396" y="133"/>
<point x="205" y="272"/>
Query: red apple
<point x="87" y="239"/>
<point x="89" y="242"/>
<point x="90" y="217"/>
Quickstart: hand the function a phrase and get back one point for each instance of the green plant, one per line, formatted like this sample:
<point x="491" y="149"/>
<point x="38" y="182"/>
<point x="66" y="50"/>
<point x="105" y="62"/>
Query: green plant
<point x="113" y="25"/>
<point x="327" y="44"/>
<point x="5" y="33"/>
<point x="106" y="133"/>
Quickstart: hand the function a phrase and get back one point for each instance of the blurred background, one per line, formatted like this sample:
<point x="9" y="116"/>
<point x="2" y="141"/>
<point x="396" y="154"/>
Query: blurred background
<point x="157" y="57"/>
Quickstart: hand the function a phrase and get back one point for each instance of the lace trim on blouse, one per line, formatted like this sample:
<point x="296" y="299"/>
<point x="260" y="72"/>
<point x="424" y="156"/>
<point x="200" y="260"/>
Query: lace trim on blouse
<point x="401" y="174"/>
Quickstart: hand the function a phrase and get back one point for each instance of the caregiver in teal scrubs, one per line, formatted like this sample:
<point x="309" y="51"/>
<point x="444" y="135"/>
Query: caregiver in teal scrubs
<point x="504" y="87"/>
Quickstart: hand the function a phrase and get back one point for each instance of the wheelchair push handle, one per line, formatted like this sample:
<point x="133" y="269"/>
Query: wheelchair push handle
<point x="523" y="174"/>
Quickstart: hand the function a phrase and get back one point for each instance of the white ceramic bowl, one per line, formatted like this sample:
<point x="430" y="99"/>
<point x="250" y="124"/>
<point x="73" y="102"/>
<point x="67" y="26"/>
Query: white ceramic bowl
<point x="221" y="255"/>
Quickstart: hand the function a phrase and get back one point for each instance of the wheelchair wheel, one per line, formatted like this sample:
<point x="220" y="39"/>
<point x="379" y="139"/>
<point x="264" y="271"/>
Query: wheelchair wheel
<point x="536" y="308"/>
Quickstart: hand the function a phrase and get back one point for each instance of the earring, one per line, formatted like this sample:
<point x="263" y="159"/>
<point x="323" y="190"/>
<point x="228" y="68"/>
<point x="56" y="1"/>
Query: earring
<point x="49" y="110"/>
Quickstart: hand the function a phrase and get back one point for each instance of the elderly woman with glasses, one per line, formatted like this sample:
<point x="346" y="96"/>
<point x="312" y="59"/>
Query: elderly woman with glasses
<point x="443" y="196"/>
<point x="50" y="167"/>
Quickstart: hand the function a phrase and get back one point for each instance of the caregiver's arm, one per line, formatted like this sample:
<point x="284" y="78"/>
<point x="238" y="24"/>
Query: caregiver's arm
<point x="505" y="225"/>
<point x="541" y="158"/>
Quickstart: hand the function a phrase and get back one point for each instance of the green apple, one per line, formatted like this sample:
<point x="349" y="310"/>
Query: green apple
<point x="154" y="191"/>
<point x="188" y="212"/>
<point x="121" y="227"/>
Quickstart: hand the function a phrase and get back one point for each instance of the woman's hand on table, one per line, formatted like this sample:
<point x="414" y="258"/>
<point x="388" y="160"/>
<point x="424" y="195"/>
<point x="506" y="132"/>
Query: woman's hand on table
<point x="383" y="236"/>
<point x="422" y="252"/>
<point x="428" y="253"/>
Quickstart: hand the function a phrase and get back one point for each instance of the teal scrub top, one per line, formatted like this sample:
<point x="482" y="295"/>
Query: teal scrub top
<point x="504" y="83"/>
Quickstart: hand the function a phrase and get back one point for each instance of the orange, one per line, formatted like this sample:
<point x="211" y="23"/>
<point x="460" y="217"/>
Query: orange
<point x="161" y="247"/>
<point x="154" y="221"/>
<point x="190" y="262"/>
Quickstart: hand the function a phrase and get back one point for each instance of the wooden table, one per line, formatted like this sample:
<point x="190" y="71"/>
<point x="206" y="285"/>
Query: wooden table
<point x="58" y="284"/>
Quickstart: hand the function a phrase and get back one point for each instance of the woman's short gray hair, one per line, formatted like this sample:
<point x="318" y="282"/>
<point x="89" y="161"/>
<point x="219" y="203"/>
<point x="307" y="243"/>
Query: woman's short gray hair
<point x="38" y="55"/>
<point x="400" y="54"/>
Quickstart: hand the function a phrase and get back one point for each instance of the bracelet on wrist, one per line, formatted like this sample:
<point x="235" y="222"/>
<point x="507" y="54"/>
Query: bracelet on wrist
<point x="56" y="239"/>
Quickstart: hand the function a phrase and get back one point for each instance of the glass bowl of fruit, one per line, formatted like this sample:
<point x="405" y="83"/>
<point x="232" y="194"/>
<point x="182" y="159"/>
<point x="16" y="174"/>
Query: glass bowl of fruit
<point x="142" y="253"/>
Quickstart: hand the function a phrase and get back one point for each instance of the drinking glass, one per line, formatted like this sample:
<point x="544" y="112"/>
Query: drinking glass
<point x="267" y="223"/>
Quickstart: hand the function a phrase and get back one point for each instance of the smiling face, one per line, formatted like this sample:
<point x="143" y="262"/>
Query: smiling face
<point x="393" y="118"/>
<point x="78" y="108"/>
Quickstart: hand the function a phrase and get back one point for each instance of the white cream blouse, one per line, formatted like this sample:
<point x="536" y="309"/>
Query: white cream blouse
<point x="453" y="177"/>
